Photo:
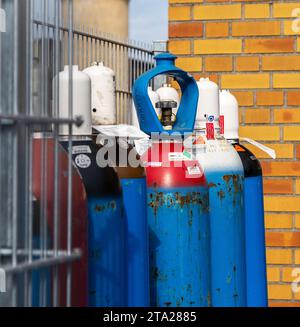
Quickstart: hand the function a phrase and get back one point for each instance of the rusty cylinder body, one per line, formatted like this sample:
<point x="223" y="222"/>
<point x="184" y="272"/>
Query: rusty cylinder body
<point x="179" y="230"/>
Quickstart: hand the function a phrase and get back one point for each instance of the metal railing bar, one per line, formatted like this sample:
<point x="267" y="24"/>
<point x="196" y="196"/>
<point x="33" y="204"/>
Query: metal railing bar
<point x="96" y="37"/>
<point x="70" y="158"/>
<point x="39" y="120"/>
<point x="42" y="263"/>
<point x="35" y="252"/>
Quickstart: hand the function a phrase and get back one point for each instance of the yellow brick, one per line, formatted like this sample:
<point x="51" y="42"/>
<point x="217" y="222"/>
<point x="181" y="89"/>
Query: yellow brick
<point x="291" y="133"/>
<point x="282" y="203"/>
<point x="273" y="274"/>
<point x="245" y="81"/>
<point x="204" y="12"/>
<point x="279" y="256"/>
<point x="264" y="133"/>
<point x="287" y="116"/>
<point x="254" y="28"/>
<point x="248" y="63"/>
<point x="258" y="116"/>
<point x="281" y="63"/>
<point x="281" y="169"/>
<point x="274" y="221"/>
<point x="285" y="9"/>
<point x="280" y="292"/>
<point x="282" y="80"/>
<point x="297" y="221"/>
<point x="287" y="274"/>
<point x="215" y="46"/>
<point x="180" y="47"/>
<point x="190" y="64"/>
<point x="283" y="151"/>
<point x="179" y="13"/>
<point x="297" y="257"/>
<point x="257" y="11"/>
<point x="218" y="64"/>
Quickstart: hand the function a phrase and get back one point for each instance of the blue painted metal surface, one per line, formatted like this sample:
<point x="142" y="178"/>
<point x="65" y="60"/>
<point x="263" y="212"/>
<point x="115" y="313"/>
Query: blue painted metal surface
<point x="257" y="291"/>
<point x="135" y="209"/>
<point x="179" y="246"/>
<point x="228" y="272"/>
<point x="255" y="243"/>
<point x="107" y="258"/>
<point x="185" y="118"/>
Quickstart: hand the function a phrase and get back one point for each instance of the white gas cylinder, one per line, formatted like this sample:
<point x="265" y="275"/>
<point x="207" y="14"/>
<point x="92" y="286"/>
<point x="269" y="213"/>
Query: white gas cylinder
<point x="103" y="102"/>
<point x="81" y="100"/>
<point x="208" y="104"/>
<point x="229" y="109"/>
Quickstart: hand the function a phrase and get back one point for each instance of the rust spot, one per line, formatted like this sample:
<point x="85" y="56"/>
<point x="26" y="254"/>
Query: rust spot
<point x="221" y="195"/>
<point x="99" y="208"/>
<point x="168" y="304"/>
<point x="227" y="178"/>
<point x="236" y="184"/>
<point x="113" y="205"/>
<point x="210" y="185"/>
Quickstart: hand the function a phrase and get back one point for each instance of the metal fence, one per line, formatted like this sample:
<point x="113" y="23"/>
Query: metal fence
<point x="37" y="207"/>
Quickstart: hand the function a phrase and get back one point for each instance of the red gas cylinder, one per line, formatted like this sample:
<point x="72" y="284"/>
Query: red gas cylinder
<point x="179" y="226"/>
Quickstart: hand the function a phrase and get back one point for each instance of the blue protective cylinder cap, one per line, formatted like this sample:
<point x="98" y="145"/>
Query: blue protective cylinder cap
<point x="165" y="58"/>
<point x="186" y="115"/>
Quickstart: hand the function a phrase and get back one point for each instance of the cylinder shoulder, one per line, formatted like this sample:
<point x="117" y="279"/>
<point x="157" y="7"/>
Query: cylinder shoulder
<point x="252" y="166"/>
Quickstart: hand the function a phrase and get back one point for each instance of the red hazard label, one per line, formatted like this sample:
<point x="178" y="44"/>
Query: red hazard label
<point x="222" y="126"/>
<point x="210" y="131"/>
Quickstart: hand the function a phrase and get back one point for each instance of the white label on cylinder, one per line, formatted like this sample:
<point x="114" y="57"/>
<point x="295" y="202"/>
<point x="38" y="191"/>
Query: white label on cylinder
<point x="194" y="170"/>
<point x="79" y="149"/>
<point x="2" y="20"/>
<point x="83" y="161"/>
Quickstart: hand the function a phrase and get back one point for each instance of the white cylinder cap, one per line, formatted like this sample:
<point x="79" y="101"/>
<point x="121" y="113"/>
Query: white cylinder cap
<point x="229" y="108"/>
<point x="81" y="100"/>
<point x="208" y="104"/>
<point x="154" y="97"/>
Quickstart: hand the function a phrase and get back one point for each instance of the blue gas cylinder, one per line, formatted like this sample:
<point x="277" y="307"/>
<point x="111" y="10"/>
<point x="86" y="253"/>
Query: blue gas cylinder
<point x="257" y="295"/>
<point x="225" y="177"/>
<point x="106" y="227"/>
<point x="134" y="194"/>
<point x="177" y="196"/>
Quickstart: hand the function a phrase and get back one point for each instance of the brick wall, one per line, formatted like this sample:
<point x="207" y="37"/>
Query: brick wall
<point x="250" y="48"/>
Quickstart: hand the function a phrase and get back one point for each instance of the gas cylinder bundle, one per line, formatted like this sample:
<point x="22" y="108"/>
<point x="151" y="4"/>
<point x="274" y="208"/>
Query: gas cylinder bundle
<point x="205" y="208"/>
<point x="186" y="230"/>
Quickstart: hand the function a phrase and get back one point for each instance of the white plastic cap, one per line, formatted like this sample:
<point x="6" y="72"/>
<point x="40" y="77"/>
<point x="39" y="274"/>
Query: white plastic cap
<point x="168" y="93"/>
<point x="208" y="104"/>
<point x="229" y="108"/>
